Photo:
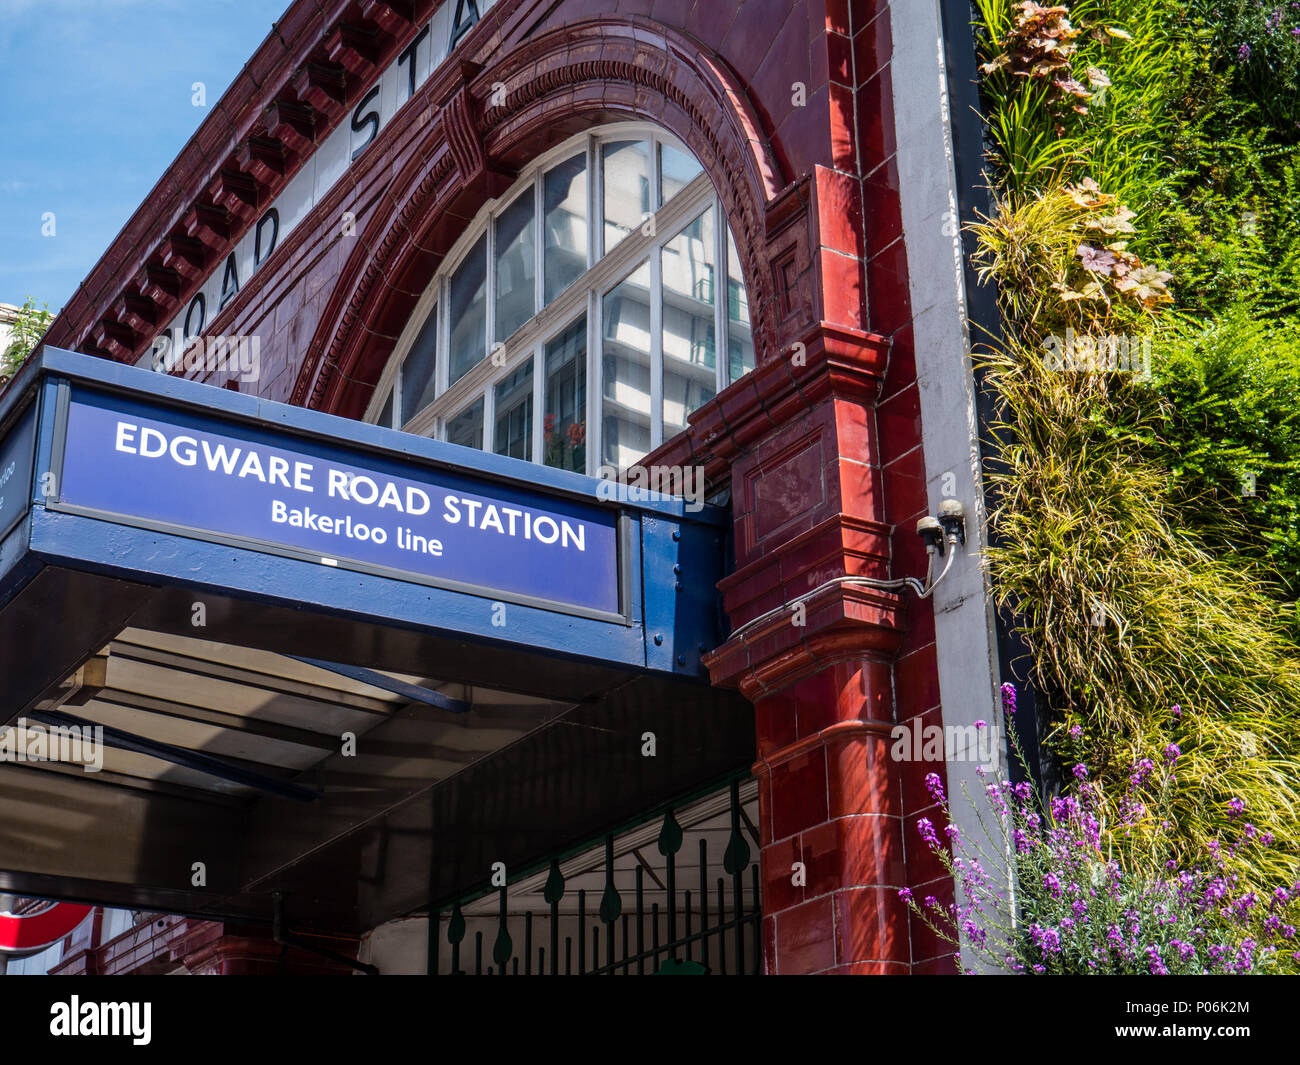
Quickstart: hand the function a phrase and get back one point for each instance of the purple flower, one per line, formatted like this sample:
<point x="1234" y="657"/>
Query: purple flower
<point x="973" y="932"/>
<point x="1176" y="710"/>
<point x="1172" y="753"/>
<point x="1080" y="772"/>
<point x="1243" y="52"/>
<point x="1140" y="772"/>
<point x="1009" y="698"/>
<point x="934" y="786"/>
<point x="905" y="894"/>
<point x="981" y="723"/>
<point x="1047" y="939"/>
<point x="1236" y="808"/>
<point x="926" y="828"/>
<point x="1076" y="731"/>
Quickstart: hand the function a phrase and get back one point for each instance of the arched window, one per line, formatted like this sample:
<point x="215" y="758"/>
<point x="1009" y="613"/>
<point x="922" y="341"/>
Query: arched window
<point x="611" y="330"/>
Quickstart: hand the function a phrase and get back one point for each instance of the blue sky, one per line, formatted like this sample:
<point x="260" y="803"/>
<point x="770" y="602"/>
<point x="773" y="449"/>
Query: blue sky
<point x="95" y="103"/>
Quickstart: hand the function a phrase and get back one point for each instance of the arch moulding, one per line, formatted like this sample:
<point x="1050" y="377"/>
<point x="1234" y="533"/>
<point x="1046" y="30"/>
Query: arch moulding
<point x="485" y="124"/>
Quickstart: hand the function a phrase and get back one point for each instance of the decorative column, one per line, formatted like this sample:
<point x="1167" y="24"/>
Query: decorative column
<point x="807" y="500"/>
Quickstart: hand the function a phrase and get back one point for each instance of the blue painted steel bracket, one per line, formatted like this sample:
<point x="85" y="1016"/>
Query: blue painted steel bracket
<point x="669" y="555"/>
<point x="679" y="566"/>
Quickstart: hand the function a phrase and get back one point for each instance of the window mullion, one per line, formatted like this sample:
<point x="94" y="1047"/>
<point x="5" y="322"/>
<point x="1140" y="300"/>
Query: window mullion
<point x="652" y="163"/>
<point x="442" y="360"/>
<point x="490" y="286"/>
<point x="721" y="298"/>
<point x="595" y="381"/>
<point x="395" y="419"/>
<point x="539" y="401"/>
<point x="656" y="347"/>
<point x="595" y="203"/>
<point x="489" y="418"/>
<point x="539" y="247"/>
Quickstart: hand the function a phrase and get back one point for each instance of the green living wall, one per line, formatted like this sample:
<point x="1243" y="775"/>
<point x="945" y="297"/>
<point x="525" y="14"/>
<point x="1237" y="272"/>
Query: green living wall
<point x="1144" y="157"/>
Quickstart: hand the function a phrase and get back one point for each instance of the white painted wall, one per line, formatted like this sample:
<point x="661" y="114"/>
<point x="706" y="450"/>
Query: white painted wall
<point x="964" y="616"/>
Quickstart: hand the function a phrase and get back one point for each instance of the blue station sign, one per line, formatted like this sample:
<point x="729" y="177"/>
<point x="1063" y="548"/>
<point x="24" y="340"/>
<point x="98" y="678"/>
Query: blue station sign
<point x="155" y="482"/>
<point x="159" y="468"/>
<point x="17" y="454"/>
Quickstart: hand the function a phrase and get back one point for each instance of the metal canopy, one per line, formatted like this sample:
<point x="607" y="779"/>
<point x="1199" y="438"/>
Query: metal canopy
<point x="364" y="740"/>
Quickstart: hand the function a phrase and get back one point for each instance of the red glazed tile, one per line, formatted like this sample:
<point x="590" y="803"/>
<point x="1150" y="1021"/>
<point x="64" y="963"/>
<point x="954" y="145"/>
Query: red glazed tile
<point x="923" y="863"/>
<point x="916" y="760"/>
<point x="889" y="301"/>
<point x="842" y="291"/>
<point x="710" y="22"/>
<point x="875" y="106"/>
<point x="861" y="778"/>
<point x="764" y="782"/>
<point x="839" y="211"/>
<point x="778" y="870"/>
<point x="799" y="793"/>
<point x="837" y="16"/>
<point x="760" y="27"/>
<point x="898" y="422"/>
<point x="858" y="486"/>
<point x="803" y="135"/>
<point x="882" y="208"/>
<point x="672" y="12"/>
<point x="871" y="924"/>
<point x="918" y="626"/>
<point x="839" y="57"/>
<point x="916" y="683"/>
<point x="805" y="937"/>
<point x="775" y="723"/>
<point x="905" y="488"/>
<point x="926" y="943"/>
<point x="843" y="129"/>
<point x="852" y="852"/>
<point x="873" y="47"/>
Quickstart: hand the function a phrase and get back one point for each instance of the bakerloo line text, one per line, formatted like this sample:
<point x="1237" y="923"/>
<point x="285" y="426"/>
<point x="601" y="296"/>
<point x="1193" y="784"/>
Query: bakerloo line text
<point x="347" y="486"/>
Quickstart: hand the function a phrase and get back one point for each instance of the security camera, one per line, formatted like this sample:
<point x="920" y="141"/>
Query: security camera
<point x="929" y="530"/>
<point x="952" y="516"/>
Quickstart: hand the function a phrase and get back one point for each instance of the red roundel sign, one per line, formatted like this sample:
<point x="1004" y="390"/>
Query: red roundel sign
<point x="29" y="932"/>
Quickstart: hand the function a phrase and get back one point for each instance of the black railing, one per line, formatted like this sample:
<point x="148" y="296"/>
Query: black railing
<point x="698" y="935"/>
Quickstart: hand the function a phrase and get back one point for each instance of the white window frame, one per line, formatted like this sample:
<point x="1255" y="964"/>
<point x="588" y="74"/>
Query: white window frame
<point x="585" y="295"/>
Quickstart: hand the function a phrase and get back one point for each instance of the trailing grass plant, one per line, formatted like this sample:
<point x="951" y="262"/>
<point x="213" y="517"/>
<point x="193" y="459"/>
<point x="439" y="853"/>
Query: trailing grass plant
<point x="1150" y="587"/>
<point x="1129" y="616"/>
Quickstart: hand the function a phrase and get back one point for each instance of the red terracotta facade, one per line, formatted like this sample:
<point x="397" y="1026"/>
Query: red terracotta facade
<point x="788" y="107"/>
